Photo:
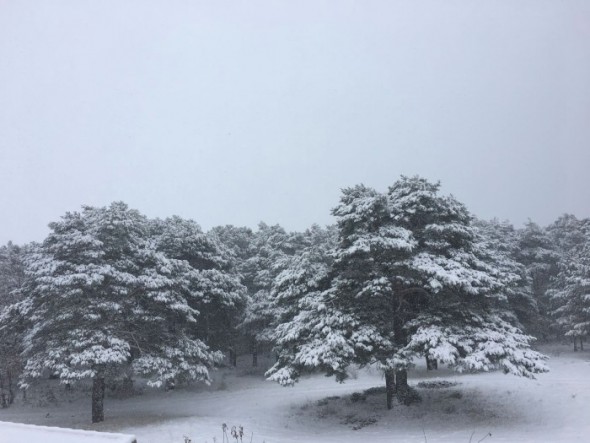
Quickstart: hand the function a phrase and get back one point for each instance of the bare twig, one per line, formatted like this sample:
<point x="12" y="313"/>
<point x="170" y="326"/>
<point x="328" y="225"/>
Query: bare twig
<point x="489" y="434"/>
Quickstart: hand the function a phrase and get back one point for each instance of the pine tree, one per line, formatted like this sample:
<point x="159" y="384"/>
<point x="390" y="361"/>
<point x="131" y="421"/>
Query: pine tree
<point x="501" y="241"/>
<point x="271" y="248"/>
<point x="213" y="290"/>
<point x="239" y="244"/>
<point x="11" y="279"/>
<point x="571" y="287"/>
<point x="538" y="253"/>
<point x="409" y="279"/>
<point x="101" y="300"/>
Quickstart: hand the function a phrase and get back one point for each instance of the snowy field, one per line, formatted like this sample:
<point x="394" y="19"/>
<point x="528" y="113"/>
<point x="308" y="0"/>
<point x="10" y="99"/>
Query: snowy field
<point x="16" y="432"/>
<point x="455" y="408"/>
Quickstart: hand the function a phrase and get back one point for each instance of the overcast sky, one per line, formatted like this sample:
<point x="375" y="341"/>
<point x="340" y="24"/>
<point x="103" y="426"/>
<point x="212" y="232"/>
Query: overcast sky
<point x="237" y="112"/>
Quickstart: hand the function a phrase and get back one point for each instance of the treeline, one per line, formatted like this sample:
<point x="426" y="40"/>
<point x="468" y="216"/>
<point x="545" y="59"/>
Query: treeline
<point x="110" y="294"/>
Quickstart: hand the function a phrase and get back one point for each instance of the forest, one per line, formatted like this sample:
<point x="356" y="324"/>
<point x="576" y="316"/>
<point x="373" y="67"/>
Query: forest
<point x="405" y="275"/>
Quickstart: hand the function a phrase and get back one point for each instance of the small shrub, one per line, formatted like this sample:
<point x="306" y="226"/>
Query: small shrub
<point x="328" y="410"/>
<point x="358" y="397"/>
<point x="325" y="401"/>
<point x="377" y="390"/>
<point x="437" y="384"/>
<point x="364" y="422"/>
<point x="412" y="396"/>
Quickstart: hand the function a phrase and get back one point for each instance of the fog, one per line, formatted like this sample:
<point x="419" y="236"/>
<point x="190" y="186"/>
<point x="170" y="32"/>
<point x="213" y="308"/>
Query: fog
<point x="233" y="113"/>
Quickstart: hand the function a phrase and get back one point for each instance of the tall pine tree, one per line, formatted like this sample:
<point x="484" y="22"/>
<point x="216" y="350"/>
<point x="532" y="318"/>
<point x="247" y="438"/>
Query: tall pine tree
<point x="102" y="301"/>
<point x="409" y="279"/>
<point x="571" y="287"/>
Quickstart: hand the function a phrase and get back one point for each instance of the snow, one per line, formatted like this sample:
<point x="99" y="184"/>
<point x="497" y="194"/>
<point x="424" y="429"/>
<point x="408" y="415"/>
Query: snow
<point x="554" y="407"/>
<point x="17" y="432"/>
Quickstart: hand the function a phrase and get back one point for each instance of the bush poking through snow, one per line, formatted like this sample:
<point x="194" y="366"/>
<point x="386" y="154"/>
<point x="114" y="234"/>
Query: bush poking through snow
<point x="437" y="384"/>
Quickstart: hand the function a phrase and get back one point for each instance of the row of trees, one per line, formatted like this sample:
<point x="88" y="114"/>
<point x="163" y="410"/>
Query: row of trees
<point x="111" y="294"/>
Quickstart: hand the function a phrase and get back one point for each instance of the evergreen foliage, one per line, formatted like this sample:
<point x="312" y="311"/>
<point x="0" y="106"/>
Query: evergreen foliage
<point x="213" y="290"/>
<point x="501" y="241"/>
<point x="409" y="279"/>
<point x="403" y="274"/>
<point x="571" y="287"/>
<point x="100" y="300"/>
<point x="537" y="252"/>
<point x="12" y="275"/>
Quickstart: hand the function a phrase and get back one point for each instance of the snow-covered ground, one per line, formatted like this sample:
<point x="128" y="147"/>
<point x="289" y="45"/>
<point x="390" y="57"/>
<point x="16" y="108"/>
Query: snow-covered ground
<point x="553" y="408"/>
<point x="18" y="432"/>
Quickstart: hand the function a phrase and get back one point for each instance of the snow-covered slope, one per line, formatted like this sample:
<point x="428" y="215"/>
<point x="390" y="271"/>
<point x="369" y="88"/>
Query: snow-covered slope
<point x="553" y="408"/>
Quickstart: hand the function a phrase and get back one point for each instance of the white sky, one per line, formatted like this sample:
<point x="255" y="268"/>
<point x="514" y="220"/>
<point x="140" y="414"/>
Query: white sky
<point x="236" y="112"/>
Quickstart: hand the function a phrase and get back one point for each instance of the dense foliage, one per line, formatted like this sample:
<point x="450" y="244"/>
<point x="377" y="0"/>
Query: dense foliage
<point x="410" y="278"/>
<point x="111" y="295"/>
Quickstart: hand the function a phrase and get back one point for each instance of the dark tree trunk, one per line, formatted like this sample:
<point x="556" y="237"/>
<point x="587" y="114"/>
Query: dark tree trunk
<point x="10" y="388"/>
<point x="431" y="363"/>
<point x="233" y="357"/>
<point x="97" y="399"/>
<point x="581" y="344"/>
<point x="575" y="345"/>
<point x="402" y="390"/>
<point x="254" y="350"/>
<point x="3" y="402"/>
<point x="390" y="387"/>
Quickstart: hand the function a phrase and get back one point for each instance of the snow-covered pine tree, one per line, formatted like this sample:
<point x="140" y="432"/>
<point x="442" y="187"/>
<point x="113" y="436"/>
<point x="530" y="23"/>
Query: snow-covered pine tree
<point x="12" y="272"/>
<point x="501" y="241"/>
<point x="350" y="318"/>
<point x="539" y="254"/>
<point x="239" y="242"/>
<point x="12" y="275"/>
<point x="213" y="290"/>
<point x="100" y="300"/>
<point x="305" y="271"/>
<point x="296" y="288"/>
<point x="571" y="286"/>
<point x="409" y="280"/>
<point x="272" y="246"/>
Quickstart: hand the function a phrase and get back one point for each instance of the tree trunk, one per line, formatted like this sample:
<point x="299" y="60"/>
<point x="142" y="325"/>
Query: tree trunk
<point x="10" y="388"/>
<point x="431" y="363"/>
<point x="3" y="402"/>
<point x="97" y="399"/>
<point x="233" y="358"/>
<point x="581" y="344"/>
<point x="390" y="387"/>
<point x="402" y="390"/>
<point x="254" y="353"/>
<point x="575" y="345"/>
